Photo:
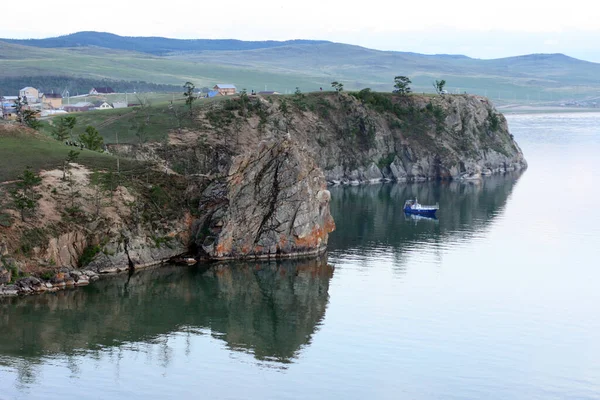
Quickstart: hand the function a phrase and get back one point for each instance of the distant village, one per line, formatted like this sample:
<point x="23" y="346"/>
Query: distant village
<point x="53" y="103"/>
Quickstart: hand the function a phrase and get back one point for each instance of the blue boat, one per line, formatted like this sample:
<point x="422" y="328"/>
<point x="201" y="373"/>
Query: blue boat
<point x="413" y="207"/>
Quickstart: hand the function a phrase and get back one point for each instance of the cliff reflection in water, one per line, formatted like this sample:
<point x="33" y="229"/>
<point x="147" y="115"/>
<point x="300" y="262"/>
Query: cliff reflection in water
<point x="372" y="215"/>
<point x="268" y="309"/>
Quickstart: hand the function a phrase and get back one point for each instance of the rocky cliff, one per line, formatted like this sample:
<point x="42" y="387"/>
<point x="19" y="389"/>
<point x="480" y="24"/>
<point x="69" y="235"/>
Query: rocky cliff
<point x="375" y="137"/>
<point x="353" y="138"/>
<point x="247" y="179"/>
<point x="272" y="203"/>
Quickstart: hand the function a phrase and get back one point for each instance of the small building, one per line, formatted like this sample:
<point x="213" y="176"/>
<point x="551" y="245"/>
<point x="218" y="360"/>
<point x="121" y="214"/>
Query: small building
<point x="267" y="93"/>
<point x="52" y="101"/>
<point x="101" y="90"/>
<point x="104" y="106"/>
<point x="7" y="109"/>
<point x="30" y="93"/>
<point x="225" y="89"/>
<point x="119" y="104"/>
<point x="78" y="107"/>
<point x="46" y="113"/>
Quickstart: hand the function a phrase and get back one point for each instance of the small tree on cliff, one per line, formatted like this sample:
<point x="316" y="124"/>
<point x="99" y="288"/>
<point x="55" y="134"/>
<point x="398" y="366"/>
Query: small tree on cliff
<point x="401" y="85"/>
<point x="244" y="102"/>
<point x="24" y="196"/>
<point x="189" y="95"/>
<point x="288" y="118"/>
<point x="338" y="86"/>
<point x="96" y="184"/>
<point x="299" y="99"/>
<point x="439" y="86"/>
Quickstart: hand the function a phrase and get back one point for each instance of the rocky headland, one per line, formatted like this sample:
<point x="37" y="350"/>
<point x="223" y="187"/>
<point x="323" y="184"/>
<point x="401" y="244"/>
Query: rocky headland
<point x="248" y="179"/>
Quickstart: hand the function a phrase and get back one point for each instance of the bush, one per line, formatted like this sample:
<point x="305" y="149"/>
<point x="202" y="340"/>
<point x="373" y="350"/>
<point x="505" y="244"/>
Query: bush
<point x="493" y="121"/>
<point x="15" y="273"/>
<point x="47" y="275"/>
<point x="6" y="220"/>
<point x="385" y="161"/>
<point x="88" y="255"/>
<point x="31" y="238"/>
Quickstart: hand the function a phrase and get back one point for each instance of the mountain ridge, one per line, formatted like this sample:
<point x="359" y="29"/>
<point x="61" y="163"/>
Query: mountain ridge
<point x="156" y="45"/>
<point x="284" y="65"/>
<point x="118" y="42"/>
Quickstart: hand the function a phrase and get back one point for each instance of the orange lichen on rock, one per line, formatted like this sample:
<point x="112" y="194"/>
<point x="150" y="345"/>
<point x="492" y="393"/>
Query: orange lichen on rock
<point x="313" y="239"/>
<point x="224" y="247"/>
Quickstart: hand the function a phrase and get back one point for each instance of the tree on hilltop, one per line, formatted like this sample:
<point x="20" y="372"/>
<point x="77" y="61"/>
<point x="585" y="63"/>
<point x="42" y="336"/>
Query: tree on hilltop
<point x="24" y="197"/>
<point x="338" y="86"/>
<point x="439" y="86"/>
<point x="189" y="95"/>
<point x="401" y="85"/>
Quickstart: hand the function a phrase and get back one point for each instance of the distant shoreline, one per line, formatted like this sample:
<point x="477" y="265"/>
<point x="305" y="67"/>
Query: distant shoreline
<point x="545" y="109"/>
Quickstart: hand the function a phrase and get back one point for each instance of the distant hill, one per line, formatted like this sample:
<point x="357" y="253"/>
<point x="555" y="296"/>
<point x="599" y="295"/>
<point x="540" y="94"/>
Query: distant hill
<point x="150" y="45"/>
<point x="283" y="66"/>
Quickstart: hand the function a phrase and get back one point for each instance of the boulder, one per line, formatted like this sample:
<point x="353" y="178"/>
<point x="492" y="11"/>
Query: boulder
<point x="9" y="290"/>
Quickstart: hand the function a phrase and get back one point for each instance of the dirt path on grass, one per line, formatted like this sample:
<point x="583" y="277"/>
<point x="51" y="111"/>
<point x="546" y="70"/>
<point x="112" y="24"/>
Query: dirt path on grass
<point x="110" y="120"/>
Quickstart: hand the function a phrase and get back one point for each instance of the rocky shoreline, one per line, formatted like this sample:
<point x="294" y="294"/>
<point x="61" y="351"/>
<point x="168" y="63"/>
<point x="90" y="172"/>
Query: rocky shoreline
<point x="373" y="175"/>
<point x="66" y="279"/>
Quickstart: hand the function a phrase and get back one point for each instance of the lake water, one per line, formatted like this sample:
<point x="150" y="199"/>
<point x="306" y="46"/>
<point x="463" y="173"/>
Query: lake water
<point x="497" y="299"/>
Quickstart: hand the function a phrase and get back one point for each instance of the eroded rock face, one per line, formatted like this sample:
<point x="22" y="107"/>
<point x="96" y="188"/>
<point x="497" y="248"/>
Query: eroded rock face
<point x="66" y="249"/>
<point x="135" y="252"/>
<point x="274" y="203"/>
<point x="443" y="137"/>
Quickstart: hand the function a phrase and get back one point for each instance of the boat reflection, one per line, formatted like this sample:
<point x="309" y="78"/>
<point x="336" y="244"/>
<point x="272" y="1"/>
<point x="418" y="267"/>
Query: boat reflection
<point x="373" y="216"/>
<point x="410" y="217"/>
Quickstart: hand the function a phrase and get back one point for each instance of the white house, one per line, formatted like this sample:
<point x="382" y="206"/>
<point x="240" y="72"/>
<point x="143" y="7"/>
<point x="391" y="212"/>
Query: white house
<point x="31" y="94"/>
<point x="101" y="90"/>
<point x="104" y="106"/>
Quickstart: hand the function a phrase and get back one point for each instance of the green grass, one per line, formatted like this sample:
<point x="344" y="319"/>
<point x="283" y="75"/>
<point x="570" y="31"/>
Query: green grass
<point x="130" y="98"/>
<point x="19" y="150"/>
<point x="119" y="125"/>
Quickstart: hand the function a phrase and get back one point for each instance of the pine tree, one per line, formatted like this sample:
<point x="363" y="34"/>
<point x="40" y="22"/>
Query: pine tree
<point x="91" y="139"/>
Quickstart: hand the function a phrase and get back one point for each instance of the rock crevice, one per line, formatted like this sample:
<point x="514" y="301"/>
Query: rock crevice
<point x="272" y="203"/>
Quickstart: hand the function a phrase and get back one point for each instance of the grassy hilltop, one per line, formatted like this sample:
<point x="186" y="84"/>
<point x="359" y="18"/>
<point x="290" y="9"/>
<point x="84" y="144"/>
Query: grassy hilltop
<point x="21" y="147"/>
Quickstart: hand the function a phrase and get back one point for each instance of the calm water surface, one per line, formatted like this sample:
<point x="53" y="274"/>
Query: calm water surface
<point x="497" y="299"/>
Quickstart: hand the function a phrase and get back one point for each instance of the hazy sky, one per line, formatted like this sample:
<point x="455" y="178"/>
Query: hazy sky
<point x="476" y="28"/>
